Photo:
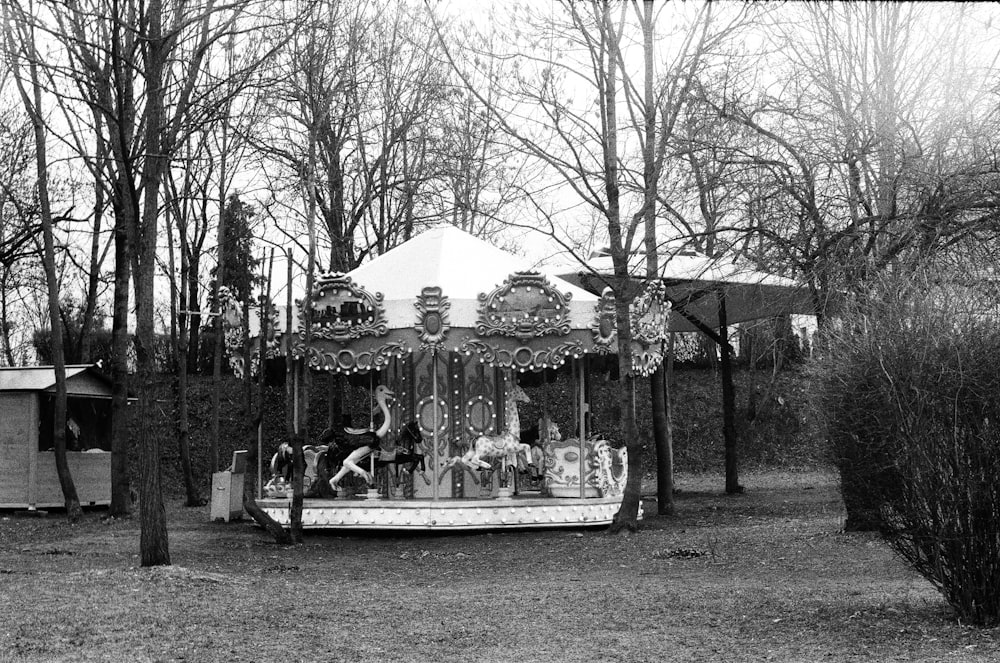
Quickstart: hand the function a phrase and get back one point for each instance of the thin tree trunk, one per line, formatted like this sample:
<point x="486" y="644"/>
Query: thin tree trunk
<point x="280" y="534"/>
<point x="247" y="367"/>
<point x="220" y="342"/>
<point x="178" y="338"/>
<point x="8" y="351"/>
<point x="265" y="331"/>
<point x="302" y="418"/>
<point x="193" y="315"/>
<point x="728" y="401"/>
<point x="153" y="542"/>
<point x="664" y="448"/>
<point x="94" y="275"/>
<point x="289" y="364"/>
<point x="666" y="464"/>
<point x="273" y="527"/>
<point x="292" y="391"/>
<point x="121" y="490"/>
<point x="658" y="387"/>
<point x="33" y="105"/>
<point x="627" y="517"/>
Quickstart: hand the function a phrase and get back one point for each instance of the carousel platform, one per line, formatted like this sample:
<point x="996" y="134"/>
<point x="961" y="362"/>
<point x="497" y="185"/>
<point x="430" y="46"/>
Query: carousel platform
<point x="449" y="514"/>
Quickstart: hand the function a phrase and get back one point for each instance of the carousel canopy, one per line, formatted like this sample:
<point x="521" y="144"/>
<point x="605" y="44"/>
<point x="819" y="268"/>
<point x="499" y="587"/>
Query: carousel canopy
<point x="446" y="290"/>
<point x="693" y="283"/>
<point x="463" y="267"/>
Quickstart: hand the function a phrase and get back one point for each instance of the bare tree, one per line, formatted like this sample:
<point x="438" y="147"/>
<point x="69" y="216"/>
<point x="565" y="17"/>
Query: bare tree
<point x="20" y="40"/>
<point x="875" y="147"/>
<point x="141" y="71"/>
<point x="362" y="82"/>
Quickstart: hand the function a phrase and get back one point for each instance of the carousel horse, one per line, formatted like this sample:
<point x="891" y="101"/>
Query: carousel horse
<point x="407" y="455"/>
<point x="281" y="467"/>
<point x="352" y="445"/>
<point x="505" y="445"/>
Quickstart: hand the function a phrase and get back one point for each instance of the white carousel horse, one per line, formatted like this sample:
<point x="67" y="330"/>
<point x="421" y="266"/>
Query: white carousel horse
<point x="507" y="444"/>
<point x="361" y="442"/>
<point x="281" y="468"/>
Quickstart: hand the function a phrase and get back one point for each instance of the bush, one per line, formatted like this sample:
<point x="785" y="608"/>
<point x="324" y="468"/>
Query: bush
<point x="911" y="394"/>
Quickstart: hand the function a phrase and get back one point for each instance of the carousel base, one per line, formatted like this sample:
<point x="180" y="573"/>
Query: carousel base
<point x="450" y="514"/>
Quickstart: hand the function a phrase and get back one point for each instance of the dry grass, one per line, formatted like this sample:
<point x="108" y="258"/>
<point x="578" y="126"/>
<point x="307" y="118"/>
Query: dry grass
<point x="763" y="576"/>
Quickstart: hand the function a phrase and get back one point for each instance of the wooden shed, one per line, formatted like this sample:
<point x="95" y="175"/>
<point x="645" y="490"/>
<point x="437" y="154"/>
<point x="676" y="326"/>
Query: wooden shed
<point x="28" y="476"/>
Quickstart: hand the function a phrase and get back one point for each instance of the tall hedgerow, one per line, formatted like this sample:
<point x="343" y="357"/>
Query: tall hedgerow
<point x="911" y="394"/>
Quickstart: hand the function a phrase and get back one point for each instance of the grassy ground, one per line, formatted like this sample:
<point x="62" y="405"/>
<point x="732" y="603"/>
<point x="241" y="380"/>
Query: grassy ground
<point x="763" y="576"/>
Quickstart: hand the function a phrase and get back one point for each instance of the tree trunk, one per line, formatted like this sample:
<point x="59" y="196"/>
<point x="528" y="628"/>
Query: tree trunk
<point x="179" y="340"/>
<point x="8" y="351"/>
<point x="33" y="105"/>
<point x="217" y="348"/>
<point x="193" y="316"/>
<point x="121" y="497"/>
<point x="627" y="517"/>
<point x="94" y="275"/>
<point x="291" y="409"/>
<point x="728" y="401"/>
<point x="265" y="331"/>
<point x="220" y="334"/>
<point x="664" y="443"/>
<point x="280" y="534"/>
<point x="153" y="543"/>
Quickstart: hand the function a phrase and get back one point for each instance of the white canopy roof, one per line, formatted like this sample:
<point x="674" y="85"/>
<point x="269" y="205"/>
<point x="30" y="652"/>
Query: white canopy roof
<point x="446" y="289"/>
<point x="463" y="266"/>
<point x="694" y="282"/>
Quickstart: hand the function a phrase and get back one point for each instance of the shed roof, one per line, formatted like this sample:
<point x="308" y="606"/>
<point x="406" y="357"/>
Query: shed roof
<point x="43" y="378"/>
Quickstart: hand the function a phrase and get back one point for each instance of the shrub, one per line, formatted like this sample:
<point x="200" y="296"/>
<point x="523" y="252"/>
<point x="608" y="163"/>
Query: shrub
<point x="911" y="394"/>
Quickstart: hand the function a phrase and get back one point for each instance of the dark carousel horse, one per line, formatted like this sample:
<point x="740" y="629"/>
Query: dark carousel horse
<point x="407" y="455"/>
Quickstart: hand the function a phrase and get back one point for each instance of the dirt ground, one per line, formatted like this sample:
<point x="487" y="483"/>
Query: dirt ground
<point x="767" y="575"/>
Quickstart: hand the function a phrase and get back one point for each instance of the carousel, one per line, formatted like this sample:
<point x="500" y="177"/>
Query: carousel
<point x="443" y="330"/>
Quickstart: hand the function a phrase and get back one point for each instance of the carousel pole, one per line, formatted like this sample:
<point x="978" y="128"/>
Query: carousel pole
<point x="434" y="397"/>
<point x="582" y="413"/>
<point x="373" y="493"/>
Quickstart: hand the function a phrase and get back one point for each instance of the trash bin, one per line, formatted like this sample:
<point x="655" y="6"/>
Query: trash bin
<point x="227" y="490"/>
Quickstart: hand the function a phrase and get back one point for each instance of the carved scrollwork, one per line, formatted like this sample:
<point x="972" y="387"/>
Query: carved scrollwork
<point x="649" y="314"/>
<point x="342" y="310"/>
<point x="523" y="357"/>
<point x="526" y="306"/>
<point x="432" y="320"/>
<point x="351" y="361"/>
<point x="604" y="327"/>
<point x="647" y="361"/>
